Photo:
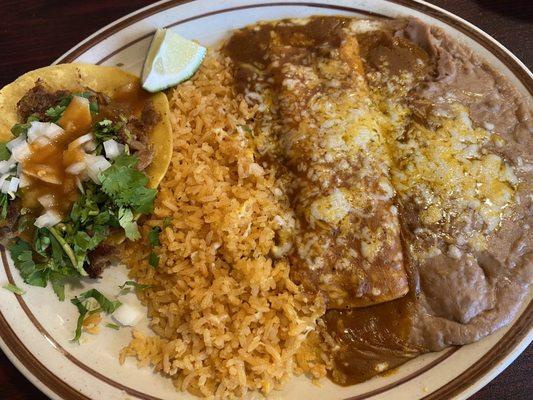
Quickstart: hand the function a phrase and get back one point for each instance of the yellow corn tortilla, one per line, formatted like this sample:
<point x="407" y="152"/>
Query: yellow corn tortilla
<point x="73" y="77"/>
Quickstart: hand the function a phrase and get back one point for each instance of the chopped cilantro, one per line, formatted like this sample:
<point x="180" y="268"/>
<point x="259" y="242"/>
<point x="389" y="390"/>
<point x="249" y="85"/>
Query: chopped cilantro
<point x="127" y="221"/>
<point x="153" y="236"/>
<point x="112" y="326"/>
<point x="22" y="255"/>
<point x="127" y="186"/>
<point x="5" y="154"/>
<point x="4" y="205"/>
<point x="153" y="260"/>
<point x="55" y="112"/>
<point x="106" y="130"/>
<point x="106" y="305"/>
<point x="128" y="286"/>
<point x="13" y="288"/>
<point x="22" y="129"/>
<point x="82" y="310"/>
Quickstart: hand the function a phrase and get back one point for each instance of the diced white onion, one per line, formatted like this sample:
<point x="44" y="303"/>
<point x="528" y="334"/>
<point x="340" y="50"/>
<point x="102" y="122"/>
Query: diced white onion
<point x="81" y="140"/>
<point x="47" y="201"/>
<point x="41" y="141"/>
<point x="128" y="315"/>
<point x="21" y="151"/>
<point x="5" y="166"/>
<point x="49" y="218"/>
<point x="113" y="149"/>
<point x="95" y="165"/>
<point x="79" y="185"/>
<point x="3" y="179"/>
<point x="13" y="185"/>
<point x="24" y="181"/>
<point x="46" y="129"/>
<point x="16" y="142"/>
<point x="90" y="146"/>
<point x="76" y="168"/>
<point x="5" y="187"/>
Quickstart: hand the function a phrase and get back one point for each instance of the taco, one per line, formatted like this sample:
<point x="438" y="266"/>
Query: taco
<point x="83" y="149"/>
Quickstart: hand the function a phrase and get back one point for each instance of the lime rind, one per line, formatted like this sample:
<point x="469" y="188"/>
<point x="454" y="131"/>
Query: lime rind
<point x="171" y="60"/>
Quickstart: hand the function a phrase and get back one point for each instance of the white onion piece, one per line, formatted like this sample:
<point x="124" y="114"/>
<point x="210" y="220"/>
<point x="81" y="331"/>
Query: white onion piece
<point x="24" y="181"/>
<point x="46" y="129"/>
<point x="47" y="201"/>
<point x="95" y="165"/>
<point x="41" y="141"/>
<point x="76" y="168"/>
<point x="49" y="218"/>
<point x="128" y="315"/>
<point x="3" y="179"/>
<point x="5" y="166"/>
<point x="89" y="146"/>
<point x="16" y="142"/>
<point x="13" y="185"/>
<point x="113" y="149"/>
<point x="81" y="140"/>
<point x="79" y="185"/>
<point x="5" y="187"/>
<point x="21" y="151"/>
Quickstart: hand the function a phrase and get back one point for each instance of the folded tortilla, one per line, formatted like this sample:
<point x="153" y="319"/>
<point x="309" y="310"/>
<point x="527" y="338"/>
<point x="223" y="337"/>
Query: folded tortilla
<point x="77" y="77"/>
<point x="347" y="244"/>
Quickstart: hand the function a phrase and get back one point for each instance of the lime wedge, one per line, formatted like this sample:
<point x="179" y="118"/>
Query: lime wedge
<point x="171" y="59"/>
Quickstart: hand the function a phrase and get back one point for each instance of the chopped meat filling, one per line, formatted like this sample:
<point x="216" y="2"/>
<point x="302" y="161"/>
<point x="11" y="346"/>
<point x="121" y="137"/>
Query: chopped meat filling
<point x="37" y="100"/>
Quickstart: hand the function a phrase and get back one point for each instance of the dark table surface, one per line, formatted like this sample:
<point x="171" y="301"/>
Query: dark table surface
<point x="33" y="33"/>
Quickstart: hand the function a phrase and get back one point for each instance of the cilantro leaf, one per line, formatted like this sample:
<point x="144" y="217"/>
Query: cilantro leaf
<point x="126" y="221"/>
<point x="153" y="260"/>
<point x="127" y="186"/>
<point x="5" y="154"/>
<point x="106" y="305"/>
<point x="14" y="288"/>
<point x="128" y="286"/>
<point x="106" y="130"/>
<point x="82" y="310"/>
<point x="55" y="112"/>
<point x="4" y="205"/>
<point x="153" y="236"/>
<point x="22" y="255"/>
<point x="22" y="129"/>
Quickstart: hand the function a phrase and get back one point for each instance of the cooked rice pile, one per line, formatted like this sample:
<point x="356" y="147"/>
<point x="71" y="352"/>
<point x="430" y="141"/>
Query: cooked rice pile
<point x="226" y="315"/>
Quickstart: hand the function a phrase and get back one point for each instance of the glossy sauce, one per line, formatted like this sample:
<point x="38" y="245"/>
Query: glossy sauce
<point x="374" y="339"/>
<point x="45" y="167"/>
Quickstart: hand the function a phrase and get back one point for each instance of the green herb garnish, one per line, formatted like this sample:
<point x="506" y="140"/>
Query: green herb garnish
<point x="106" y="305"/>
<point x="127" y="186"/>
<point x="5" y="154"/>
<point x="153" y="260"/>
<point x="13" y="288"/>
<point x="128" y="286"/>
<point x="22" y="129"/>
<point x="153" y="236"/>
<point x="128" y="223"/>
<point x="112" y="326"/>
<point x="4" y="205"/>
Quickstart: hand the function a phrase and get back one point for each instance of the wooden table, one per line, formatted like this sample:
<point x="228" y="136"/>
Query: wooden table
<point x="33" y="33"/>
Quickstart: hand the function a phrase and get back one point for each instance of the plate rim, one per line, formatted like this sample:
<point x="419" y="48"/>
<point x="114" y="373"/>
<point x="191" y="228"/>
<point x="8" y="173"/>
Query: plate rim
<point x="469" y="387"/>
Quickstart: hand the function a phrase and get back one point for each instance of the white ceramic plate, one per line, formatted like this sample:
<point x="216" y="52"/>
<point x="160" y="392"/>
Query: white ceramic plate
<point x="36" y="329"/>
